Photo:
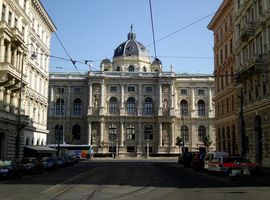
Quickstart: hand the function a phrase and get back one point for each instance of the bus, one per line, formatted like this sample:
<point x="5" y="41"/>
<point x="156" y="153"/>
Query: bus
<point x="80" y="151"/>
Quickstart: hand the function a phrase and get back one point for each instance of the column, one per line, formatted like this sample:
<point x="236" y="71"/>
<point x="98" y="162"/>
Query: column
<point x="7" y="100"/>
<point x="52" y="93"/>
<point x="122" y="135"/>
<point x="89" y="133"/>
<point x="2" y="50"/>
<point x="101" y="139"/>
<point x="139" y="146"/>
<point x="210" y="99"/>
<point x="139" y="107"/>
<point x="9" y="53"/>
<point x="13" y="102"/>
<point x="160" y="100"/>
<point x="192" y="99"/>
<point x="160" y="134"/>
<point x="172" y="100"/>
<point x="102" y="97"/>
<point x="122" y="99"/>
<point x="15" y="58"/>
<point x="2" y="89"/>
<point x="90" y="95"/>
<point x="172" y="134"/>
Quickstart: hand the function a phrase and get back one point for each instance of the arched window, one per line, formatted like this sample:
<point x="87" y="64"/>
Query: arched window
<point x="184" y="133"/>
<point x="148" y="106"/>
<point x="37" y="142"/>
<point x="112" y="132"/>
<point x="27" y="142"/>
<point x="42" y="142"/>
<point x="131" y="68"/>
<point x="201" y="108"/>
<point x="148" y="132"/>
<point x="183" y="108"/>
<point x="130" y="132"/>
<point x="118" y="68"/>
<point x="76" y="132"/>
<point x="77" y="107"/>
<point x="144" y="69"/>
<point x="113" y="105"/>
<point x="59" y="107"/>
<point x="58" y="132"/>
<point x="131" y="105"/>
<point x="201" y="133"/>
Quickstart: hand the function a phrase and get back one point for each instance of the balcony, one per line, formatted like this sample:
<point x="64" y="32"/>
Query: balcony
<point x="247" y="31"/>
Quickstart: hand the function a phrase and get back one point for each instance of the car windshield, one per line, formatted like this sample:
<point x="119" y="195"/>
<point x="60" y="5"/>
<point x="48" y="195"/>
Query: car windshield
<point x="4" y="163"/>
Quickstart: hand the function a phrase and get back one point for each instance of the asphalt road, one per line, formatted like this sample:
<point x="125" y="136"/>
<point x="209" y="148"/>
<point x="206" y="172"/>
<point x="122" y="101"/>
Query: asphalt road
<point x="100" y="179"/>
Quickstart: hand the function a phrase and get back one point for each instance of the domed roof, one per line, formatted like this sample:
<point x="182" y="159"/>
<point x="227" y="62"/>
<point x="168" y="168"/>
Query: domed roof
<point x="106" y="61"/>
<point x="157" y="62"/>
<point x="131" y="47"/>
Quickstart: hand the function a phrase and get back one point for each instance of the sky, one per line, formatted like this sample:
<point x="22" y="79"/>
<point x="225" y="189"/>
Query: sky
<point x="92" y="29"/>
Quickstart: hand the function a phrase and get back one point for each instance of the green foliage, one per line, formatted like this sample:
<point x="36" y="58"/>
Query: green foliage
<point x="179" y="141"/>
<point x="206" y="141"/>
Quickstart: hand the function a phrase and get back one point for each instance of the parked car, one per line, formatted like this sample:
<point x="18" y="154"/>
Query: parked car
<point x="198" y="161"/>
<point x="212" y="155"/>
<point x="10" y="168"/>
<point x="32" y="165"/>
<point x="69" y="161"/>
<point x="227" y="164"/>
<point x="49" y="163"/>
<point x="186" y="158"/>
<point x="61" y="162"/>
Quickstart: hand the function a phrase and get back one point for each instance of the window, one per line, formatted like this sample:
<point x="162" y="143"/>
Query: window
<point x="58" y="133"/>
<point x="60" y="90"/>
<point x="148" y="89"/>
<point x="183" y="92"/>
<point x="15" y="22"/>
<point x="113" y="89"/>
<point x="131" y="68"/>
<point x="76" y="132"/>
<point x="131" y="89"/>
<point x="9" y="18"/>
<point x="113" y="105"/>
<point x="77" y="91"/>
<point x="130" y="148"/>
<point x="130" y="132"/>
<point x="184" y="133"/>
<point x="183" y="108"/>
<point x="59" y="107"/>
<point x="3" y="12"/>
<point x="77" y="107"/>
<point x="201" y="108"/>
<point x="148" y="106"/>
<point x="201" y="133"/>
<point x="148" y="132"/>
<point x="112" y="132"/>
<point x="131" y="105"/>
<point x="144" y="69"/>
<point x="200" y="92"/>
<point x="118" y="69"/>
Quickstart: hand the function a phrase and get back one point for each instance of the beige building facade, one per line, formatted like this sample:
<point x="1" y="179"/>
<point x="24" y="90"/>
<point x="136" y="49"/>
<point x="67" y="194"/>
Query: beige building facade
<point x="131" y="106"/>
<point x="25" y="32"/>
<point x="227" y="114"/>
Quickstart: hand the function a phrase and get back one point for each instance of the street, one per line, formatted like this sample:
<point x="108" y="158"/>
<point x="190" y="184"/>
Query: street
<point x="132" y="179"/>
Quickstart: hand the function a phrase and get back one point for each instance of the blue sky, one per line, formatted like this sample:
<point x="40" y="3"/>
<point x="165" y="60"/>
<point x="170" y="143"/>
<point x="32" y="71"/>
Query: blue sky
<point x="92" y="29"/>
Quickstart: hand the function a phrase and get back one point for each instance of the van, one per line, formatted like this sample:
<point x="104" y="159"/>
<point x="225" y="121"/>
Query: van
<point x="211" y="155"/>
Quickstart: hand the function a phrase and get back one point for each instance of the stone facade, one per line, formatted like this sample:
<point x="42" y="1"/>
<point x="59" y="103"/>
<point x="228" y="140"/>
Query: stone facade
<point x="131" y="104"/>
<point x="226" y="116"/>
<point x="25" y="31"/>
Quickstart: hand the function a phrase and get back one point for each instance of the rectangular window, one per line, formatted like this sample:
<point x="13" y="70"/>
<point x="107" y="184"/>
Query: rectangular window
<point x="200" y="92"/>
<point x="9" y="18"/>
<point x="183" y="92"/>
<point x="148" y="89"/>
<point x="131" y="89"/>
<point x="60" y="90"/>
<point x="15" y="22"/>
<point x="77" y="90"/>
<point x="113" y="89"/>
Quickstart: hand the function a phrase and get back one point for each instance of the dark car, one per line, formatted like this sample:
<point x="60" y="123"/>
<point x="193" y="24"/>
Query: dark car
<point x="197" y="162"/>
<point x="186" y="158"/>
<point x="69" y="161"/>
<point x="61" y="162"/>
<point x="32" y="165"/>
<point x="49" y="163"/>
<point x="10" y="168"/>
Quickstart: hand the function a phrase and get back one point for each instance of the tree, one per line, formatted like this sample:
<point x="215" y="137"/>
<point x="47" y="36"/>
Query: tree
<point x="207" y="142"/>
<point x="179" y="142"/>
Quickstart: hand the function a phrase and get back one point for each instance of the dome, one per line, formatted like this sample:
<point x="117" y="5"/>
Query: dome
<point x="106" y="61"/>
<point x="131" y="47"/>
<point x="157" y="62"/>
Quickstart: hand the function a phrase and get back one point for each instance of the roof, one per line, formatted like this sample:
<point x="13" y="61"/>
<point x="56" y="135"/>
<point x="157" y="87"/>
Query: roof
<point x="40" y="148"/>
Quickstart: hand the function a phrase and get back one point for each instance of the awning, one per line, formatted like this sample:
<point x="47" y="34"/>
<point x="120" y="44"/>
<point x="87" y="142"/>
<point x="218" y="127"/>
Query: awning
<point x="40" y="149"/>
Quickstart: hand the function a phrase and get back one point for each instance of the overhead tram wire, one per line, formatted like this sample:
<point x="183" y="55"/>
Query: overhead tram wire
<point x="72" y="61"/>
<point x="153" y="31"/>
<point x="180" y="29"/>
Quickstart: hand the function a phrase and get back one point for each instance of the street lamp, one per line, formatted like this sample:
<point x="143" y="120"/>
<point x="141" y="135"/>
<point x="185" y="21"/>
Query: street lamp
<point x="33" y="56"/>
<point x="183" y="131"/>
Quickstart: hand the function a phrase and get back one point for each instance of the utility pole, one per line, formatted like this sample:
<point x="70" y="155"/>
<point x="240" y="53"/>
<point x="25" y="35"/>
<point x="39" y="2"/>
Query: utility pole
<point x="241" y="124"/>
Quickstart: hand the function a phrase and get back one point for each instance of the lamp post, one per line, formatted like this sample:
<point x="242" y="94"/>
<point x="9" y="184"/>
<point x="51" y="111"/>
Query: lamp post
<point x="17" y="141"/>
<point x="183" y="131"/>
<point x="147" y="148"/>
